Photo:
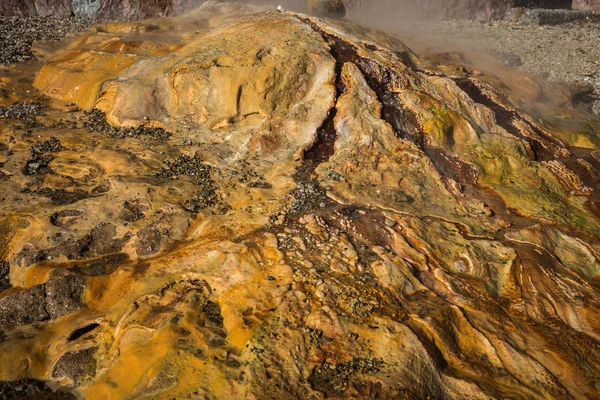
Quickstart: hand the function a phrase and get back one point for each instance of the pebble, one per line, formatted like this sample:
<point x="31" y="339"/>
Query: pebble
<point x="390" y="223"/>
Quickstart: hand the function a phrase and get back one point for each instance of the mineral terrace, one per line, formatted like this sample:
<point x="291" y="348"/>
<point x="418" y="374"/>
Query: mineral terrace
<point x="241" y="203"/>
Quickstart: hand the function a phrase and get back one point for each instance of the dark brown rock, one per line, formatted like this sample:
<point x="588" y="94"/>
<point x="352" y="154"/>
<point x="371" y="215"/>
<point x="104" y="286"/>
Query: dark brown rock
<point x="76" y="365"/>
<point x="4" y="275"/>
<point x="15" y="8"/>
<point x="61" y="295"/>
<point x="133" y="210"/>
<point x="160" y="233"/>
<point x="31" y="389"/>
<point x="64" y="294"/>
<point x="24" y="307"/>
<point x="98" y="242"/>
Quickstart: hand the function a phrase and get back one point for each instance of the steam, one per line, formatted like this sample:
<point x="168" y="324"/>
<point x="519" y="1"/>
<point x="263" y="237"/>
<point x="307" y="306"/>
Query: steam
<point x="415" y="23"/>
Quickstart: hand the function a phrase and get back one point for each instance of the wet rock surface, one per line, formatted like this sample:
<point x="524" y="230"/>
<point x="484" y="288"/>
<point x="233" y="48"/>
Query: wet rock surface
<point x="249" y="203"/>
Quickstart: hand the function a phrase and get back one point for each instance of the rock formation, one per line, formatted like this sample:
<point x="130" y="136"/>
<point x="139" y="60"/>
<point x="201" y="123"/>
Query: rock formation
<point x="240" y="203"/>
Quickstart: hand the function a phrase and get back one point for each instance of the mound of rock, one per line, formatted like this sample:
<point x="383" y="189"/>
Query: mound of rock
<point x="240" y="202"/>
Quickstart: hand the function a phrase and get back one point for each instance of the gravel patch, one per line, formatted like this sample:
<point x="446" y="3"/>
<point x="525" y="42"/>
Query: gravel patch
<point x="17" y="34"/>
<point x="21" y="110"/>
<point x="560" y="53"/>
<point x="95" y="121"/>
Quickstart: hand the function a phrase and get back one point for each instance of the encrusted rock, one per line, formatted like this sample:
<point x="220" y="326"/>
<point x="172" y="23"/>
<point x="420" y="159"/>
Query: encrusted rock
<point x="258" y="203"/>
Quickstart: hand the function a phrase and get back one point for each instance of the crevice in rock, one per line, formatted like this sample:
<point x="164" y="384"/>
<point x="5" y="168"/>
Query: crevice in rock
<point x="309" y="196"/>
<point x="323" y="147"/>
<point x="505" y="118"/>
<point x="404" y="123"/>
<point x="437" y="357"/>
<point x="578" y="161"/>
<point x="77" y="333"/>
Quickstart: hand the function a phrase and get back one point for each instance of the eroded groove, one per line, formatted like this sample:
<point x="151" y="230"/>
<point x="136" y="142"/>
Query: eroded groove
<point x="323" y="148"/>
<point x="309" y="196"/>
<point x="577" y="161"/>
<point x="82" y="331"/>
<point x="405" y="124"/>
<point x="505" y="118"/>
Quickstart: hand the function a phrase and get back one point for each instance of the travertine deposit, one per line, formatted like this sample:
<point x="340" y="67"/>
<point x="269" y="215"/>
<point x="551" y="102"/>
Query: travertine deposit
<point x="246" y="203"/>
